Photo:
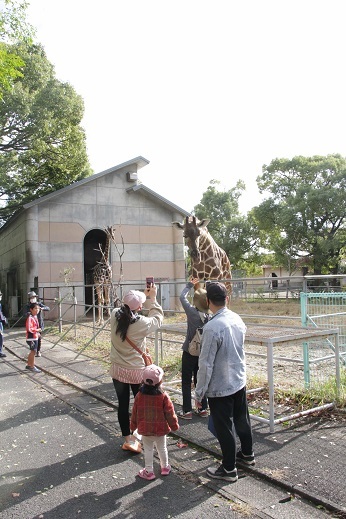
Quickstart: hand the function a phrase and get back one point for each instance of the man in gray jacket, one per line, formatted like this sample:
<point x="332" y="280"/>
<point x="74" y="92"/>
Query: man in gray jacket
<point x="222" y="379"/>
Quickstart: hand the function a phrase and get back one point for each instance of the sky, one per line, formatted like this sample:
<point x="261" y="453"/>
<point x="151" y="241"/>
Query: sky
<point x="203" y="90"/>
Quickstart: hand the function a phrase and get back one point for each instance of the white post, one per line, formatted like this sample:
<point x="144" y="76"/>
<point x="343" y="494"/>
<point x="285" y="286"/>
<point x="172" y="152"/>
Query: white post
<point x="270" y="367"/>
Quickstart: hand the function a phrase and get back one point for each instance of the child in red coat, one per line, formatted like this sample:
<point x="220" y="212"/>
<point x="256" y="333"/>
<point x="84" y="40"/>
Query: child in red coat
<point x="32" y="334"/>
<point x="154" y="417"/>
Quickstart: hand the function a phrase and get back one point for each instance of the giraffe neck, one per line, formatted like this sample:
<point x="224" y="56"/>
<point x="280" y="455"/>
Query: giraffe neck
<point x="107" y="248"/>
<point x="205" y="241"/>
<point x="214" y="263"/>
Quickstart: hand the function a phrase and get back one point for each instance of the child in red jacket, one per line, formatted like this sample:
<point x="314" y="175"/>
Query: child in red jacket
<point x="32" y="334"/>
<point x="154" y="417"/>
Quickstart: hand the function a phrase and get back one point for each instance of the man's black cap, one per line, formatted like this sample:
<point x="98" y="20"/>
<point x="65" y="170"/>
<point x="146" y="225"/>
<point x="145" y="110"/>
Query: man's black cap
<point x="216" y="291"/>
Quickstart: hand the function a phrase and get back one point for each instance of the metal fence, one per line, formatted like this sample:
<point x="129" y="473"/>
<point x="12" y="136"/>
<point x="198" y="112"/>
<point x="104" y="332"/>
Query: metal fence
<point x="326" y="310"/>
<point x="276" y="360"/>
<point x="302" y="363"/>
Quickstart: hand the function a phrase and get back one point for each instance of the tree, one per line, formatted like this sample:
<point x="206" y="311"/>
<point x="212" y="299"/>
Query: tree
<point x="13" y="29"/>
<point x="305" y="216"/>
<point x="231" y="231"/>
<point x="42" y="146"/>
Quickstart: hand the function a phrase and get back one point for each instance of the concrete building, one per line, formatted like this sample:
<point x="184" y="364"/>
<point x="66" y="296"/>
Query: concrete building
<point x="55" y="240"/>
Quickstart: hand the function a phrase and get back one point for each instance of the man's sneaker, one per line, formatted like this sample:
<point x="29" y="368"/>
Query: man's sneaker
<point x="144" y="474"/>
<point x="221" y="473"/>
<point x="201" y="412"/>
<point x="34" y="369"/>
<point x="38" y="354"/>
<point x="3" y="354"/>
<point x="185" y="416"/>
<point x="166" y="470"/>
<point x="247" y="459"/>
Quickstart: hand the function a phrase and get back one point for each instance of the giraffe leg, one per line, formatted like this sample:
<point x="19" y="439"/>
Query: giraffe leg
<point x="99" y="293"/>
<point x="107" y="299"/>
<point x="102" y="304"/>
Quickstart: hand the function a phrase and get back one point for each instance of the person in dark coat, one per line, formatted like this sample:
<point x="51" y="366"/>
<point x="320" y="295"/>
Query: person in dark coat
<point x="3" y="320"/>
<point x="197" y="315"/>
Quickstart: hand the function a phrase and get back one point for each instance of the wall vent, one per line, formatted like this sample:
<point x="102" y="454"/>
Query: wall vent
<point x="132" y="176"/>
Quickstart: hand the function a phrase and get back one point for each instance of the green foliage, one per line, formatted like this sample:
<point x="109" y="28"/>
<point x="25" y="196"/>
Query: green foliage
<point x="13" y="29"/>
<point x="42" y="146"/>
<point x="232" y="231"/>
<point x="13" y="25"/>
<point x="223" y="204"/>
<point x="10" y="65"/>
<point x="304" y="218"/>
<point x="251" y="268"/>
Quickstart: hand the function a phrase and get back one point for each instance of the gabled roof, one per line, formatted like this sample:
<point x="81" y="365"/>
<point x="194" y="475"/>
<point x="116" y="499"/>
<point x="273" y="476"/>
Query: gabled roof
<point x="149" y="192"/>
<point x="140" y="161"/>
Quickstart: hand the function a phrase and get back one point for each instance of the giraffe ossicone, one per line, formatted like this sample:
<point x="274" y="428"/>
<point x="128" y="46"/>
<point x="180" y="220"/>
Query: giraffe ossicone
<point x="208" y="260"/>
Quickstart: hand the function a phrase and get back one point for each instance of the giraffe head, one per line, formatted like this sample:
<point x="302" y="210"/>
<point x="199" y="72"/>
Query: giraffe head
<point x="192" y="229"/>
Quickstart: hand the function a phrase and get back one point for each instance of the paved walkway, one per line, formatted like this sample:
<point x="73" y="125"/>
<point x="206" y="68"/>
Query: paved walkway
<point x="306" y="458"/>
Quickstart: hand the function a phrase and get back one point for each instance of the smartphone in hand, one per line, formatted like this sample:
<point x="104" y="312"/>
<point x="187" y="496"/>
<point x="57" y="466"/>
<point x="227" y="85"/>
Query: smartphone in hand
<point x="150" y="282"/>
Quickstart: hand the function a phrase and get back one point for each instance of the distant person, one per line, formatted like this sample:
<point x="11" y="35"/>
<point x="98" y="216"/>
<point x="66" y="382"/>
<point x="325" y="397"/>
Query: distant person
<point x="33" y="331"/>
<point x="3" y="320"/>
<point x="40" y="316"/>
<point x="154" y="417"/>
<point x="222" y="378"/>
<point x="275" y="281"/>
<point x="129" y="331"/>
<point x="197" y="315"/>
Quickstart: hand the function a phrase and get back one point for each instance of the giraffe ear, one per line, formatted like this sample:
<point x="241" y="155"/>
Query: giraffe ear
<point x="203" y="223"/>
<point x="178" y="225"/>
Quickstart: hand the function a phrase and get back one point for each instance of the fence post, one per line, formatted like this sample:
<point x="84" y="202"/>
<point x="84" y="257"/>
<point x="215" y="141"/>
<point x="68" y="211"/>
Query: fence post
<point x="303" y="311"/>
<point x="74" y="311"/>
<point x="303" y="308"/>
<point x="59" y="310"/>
<point x="270" y="371"/>
<point x="306" y="364"/>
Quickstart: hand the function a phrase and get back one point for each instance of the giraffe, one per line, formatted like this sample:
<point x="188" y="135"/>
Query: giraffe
<point x="208" y="260"/>
<point x="102" y="276"/>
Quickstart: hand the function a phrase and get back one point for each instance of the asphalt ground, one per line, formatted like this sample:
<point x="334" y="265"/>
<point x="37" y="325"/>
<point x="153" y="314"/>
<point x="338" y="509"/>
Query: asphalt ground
<point x="60" y="439"/>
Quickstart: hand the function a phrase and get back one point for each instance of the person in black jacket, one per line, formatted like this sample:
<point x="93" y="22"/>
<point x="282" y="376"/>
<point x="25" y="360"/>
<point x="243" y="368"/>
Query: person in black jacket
<point x="197" y="315"/>
<point x="43" y="308"/>
<point x="3" y="320"/>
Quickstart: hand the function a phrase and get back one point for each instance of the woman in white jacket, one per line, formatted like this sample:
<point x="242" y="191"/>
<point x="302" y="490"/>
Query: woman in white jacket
<point x="127" y="364"/>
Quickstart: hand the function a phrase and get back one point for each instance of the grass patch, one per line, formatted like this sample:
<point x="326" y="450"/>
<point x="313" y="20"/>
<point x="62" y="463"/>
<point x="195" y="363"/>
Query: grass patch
<point x="325" y="392"/>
